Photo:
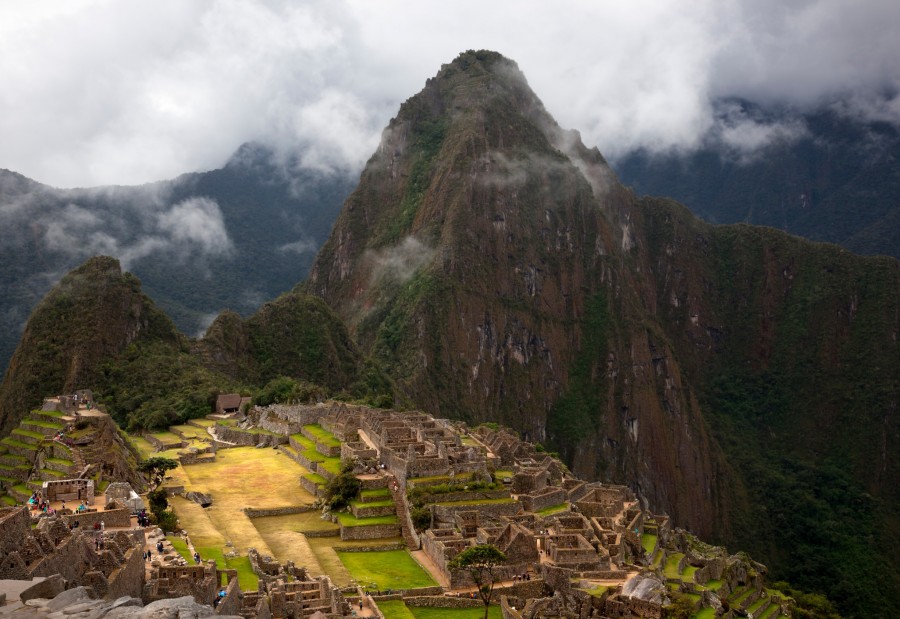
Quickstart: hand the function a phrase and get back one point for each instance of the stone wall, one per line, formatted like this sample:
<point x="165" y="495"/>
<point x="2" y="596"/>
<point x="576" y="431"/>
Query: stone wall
<point x="443" y="601"/>
<point x="370" y="531"/>
<point x="15" y="526"/>
<point x="541" y="500"/>
<point x="231" y="603"/>
<point x="110" y="518"/>
<point x="445" y="513"/>
<point x="253" y="512"/>
<point x="251" y="439"/>
<point x="128" y="579"/>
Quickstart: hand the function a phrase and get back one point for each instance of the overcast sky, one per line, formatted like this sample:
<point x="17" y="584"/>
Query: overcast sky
<point x="99" y="92"/>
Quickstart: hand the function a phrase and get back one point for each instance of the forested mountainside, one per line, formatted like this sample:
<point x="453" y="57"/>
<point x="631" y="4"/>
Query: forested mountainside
<point x="227" y="238"/>
<point x="831" y="174"/>
<point x="498" y="270"/>
<point x="96" y="327"/>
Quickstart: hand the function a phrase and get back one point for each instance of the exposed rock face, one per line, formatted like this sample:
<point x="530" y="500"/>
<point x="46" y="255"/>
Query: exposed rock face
<point x="498" y="271"/>
<point x="486" y="260"/>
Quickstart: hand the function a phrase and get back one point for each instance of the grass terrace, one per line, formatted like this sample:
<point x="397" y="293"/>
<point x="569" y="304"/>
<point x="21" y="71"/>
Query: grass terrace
<point x="308" y="448"/>
<point x="375" y="492"/>
<point x="44" y="424"/>
<point x="397" y="609"/>
<point x="388" y="569"/>
<point x="671" y="569"/>
<point x="705" y="613"/>
<point x="348" y="520"/>
<point x="648" y="542"/>
<point x="202" y="423"/>
<point x="322" y="435"/>
<point x="477" y="502"/>
<point x="437" y="479"/>
<point x="553" y="509"/>
<point x="181" y="548"/>
<point x="166" y="437"/>
<point x="192" y="432"/>
<point x="688" y="574"/>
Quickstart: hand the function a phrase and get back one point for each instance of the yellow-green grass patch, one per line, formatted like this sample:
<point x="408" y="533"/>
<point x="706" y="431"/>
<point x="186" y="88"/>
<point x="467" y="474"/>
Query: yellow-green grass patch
<point x="349" y="520"/>
<point x="166" y="437"/>
<point x="553" y="509"/>
<point x="705" y="613"/>
<point x="322" y="435"/>
<point x="191" y="431"/>
<point x="284" y="535"/>
<point x="395" y="609"/>
<point x="248" y="580"/>
<point x="325" y="549"/>
<point x="388" y="569"/>
<point x="181" y="548"/>
<point x="671" y="569"/>
<point x="373" y="492"/>
<point x="477" y="502"/>
<point x="648" y="542"/>
<point x="204" y="423"/>
<point x="247" y="477"/>
<point x="250" y="477"/>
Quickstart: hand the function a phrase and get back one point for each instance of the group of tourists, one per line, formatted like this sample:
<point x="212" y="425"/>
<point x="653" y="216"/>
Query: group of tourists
<point x="38" y="503"/>
<point x="143" y="519"/>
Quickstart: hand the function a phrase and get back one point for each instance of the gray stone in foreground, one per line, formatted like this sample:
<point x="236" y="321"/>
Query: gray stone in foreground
<point x="70" y="598"/>
<point x="49" y="587"/>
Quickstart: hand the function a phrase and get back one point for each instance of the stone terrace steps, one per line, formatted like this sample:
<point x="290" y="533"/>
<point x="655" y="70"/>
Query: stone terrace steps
<point x="401" y="507"/>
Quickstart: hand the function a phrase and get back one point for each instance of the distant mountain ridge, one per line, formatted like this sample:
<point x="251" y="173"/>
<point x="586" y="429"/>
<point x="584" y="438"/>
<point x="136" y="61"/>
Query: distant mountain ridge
<point x="203" y="242"/>
<point x="829" y="174"/>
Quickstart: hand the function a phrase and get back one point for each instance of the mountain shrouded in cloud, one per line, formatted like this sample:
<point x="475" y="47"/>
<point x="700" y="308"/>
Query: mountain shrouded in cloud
<point x="229" y="238"/>
<point x="710" y="367"/>
<point x="106" y="93"/>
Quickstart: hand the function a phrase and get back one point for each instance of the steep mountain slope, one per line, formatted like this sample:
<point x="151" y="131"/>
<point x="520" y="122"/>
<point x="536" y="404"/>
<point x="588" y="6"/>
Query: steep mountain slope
<point x="227" y="238"/>
<point x="97" y="329"/>
<point x="93" y="313"/>
<point x="498" y="271"/>
<point x="828" y="175"/>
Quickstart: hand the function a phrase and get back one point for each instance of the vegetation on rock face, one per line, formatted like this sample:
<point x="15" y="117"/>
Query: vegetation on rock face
<point x="735" y="376"/>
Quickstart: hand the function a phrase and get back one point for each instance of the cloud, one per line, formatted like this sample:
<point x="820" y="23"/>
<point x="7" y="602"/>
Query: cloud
<point x="99" y="92"/>
<point x="400" y="261"/>
<point x="197" y="223"/>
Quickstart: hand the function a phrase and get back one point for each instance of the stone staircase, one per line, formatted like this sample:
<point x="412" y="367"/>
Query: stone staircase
<point x="401" y="507"/>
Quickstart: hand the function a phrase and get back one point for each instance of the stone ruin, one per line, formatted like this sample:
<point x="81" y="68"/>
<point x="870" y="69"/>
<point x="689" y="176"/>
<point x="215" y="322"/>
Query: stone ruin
<point x="116" y="569"/>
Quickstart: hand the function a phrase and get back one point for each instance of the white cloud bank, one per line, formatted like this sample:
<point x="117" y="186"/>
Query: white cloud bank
<point x="101" y="92"/>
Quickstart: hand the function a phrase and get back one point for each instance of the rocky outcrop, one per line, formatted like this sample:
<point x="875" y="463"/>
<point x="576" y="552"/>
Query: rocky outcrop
<point x="78" y="604"/>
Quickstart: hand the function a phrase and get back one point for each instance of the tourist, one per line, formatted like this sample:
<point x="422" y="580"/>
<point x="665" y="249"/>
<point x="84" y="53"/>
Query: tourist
<point x="196" y="557"/>
<point x="102" y="526"/>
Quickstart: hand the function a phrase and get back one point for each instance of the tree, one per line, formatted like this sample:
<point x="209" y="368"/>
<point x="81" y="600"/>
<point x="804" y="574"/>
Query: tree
<point x="341" y="490"/>
<point x="481" y="561"/>
<point x="155" y="469"/>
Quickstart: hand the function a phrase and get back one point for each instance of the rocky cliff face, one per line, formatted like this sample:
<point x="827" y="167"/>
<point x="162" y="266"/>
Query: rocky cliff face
<point x="488" y="260"/>
<point x="498" y="271"/>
